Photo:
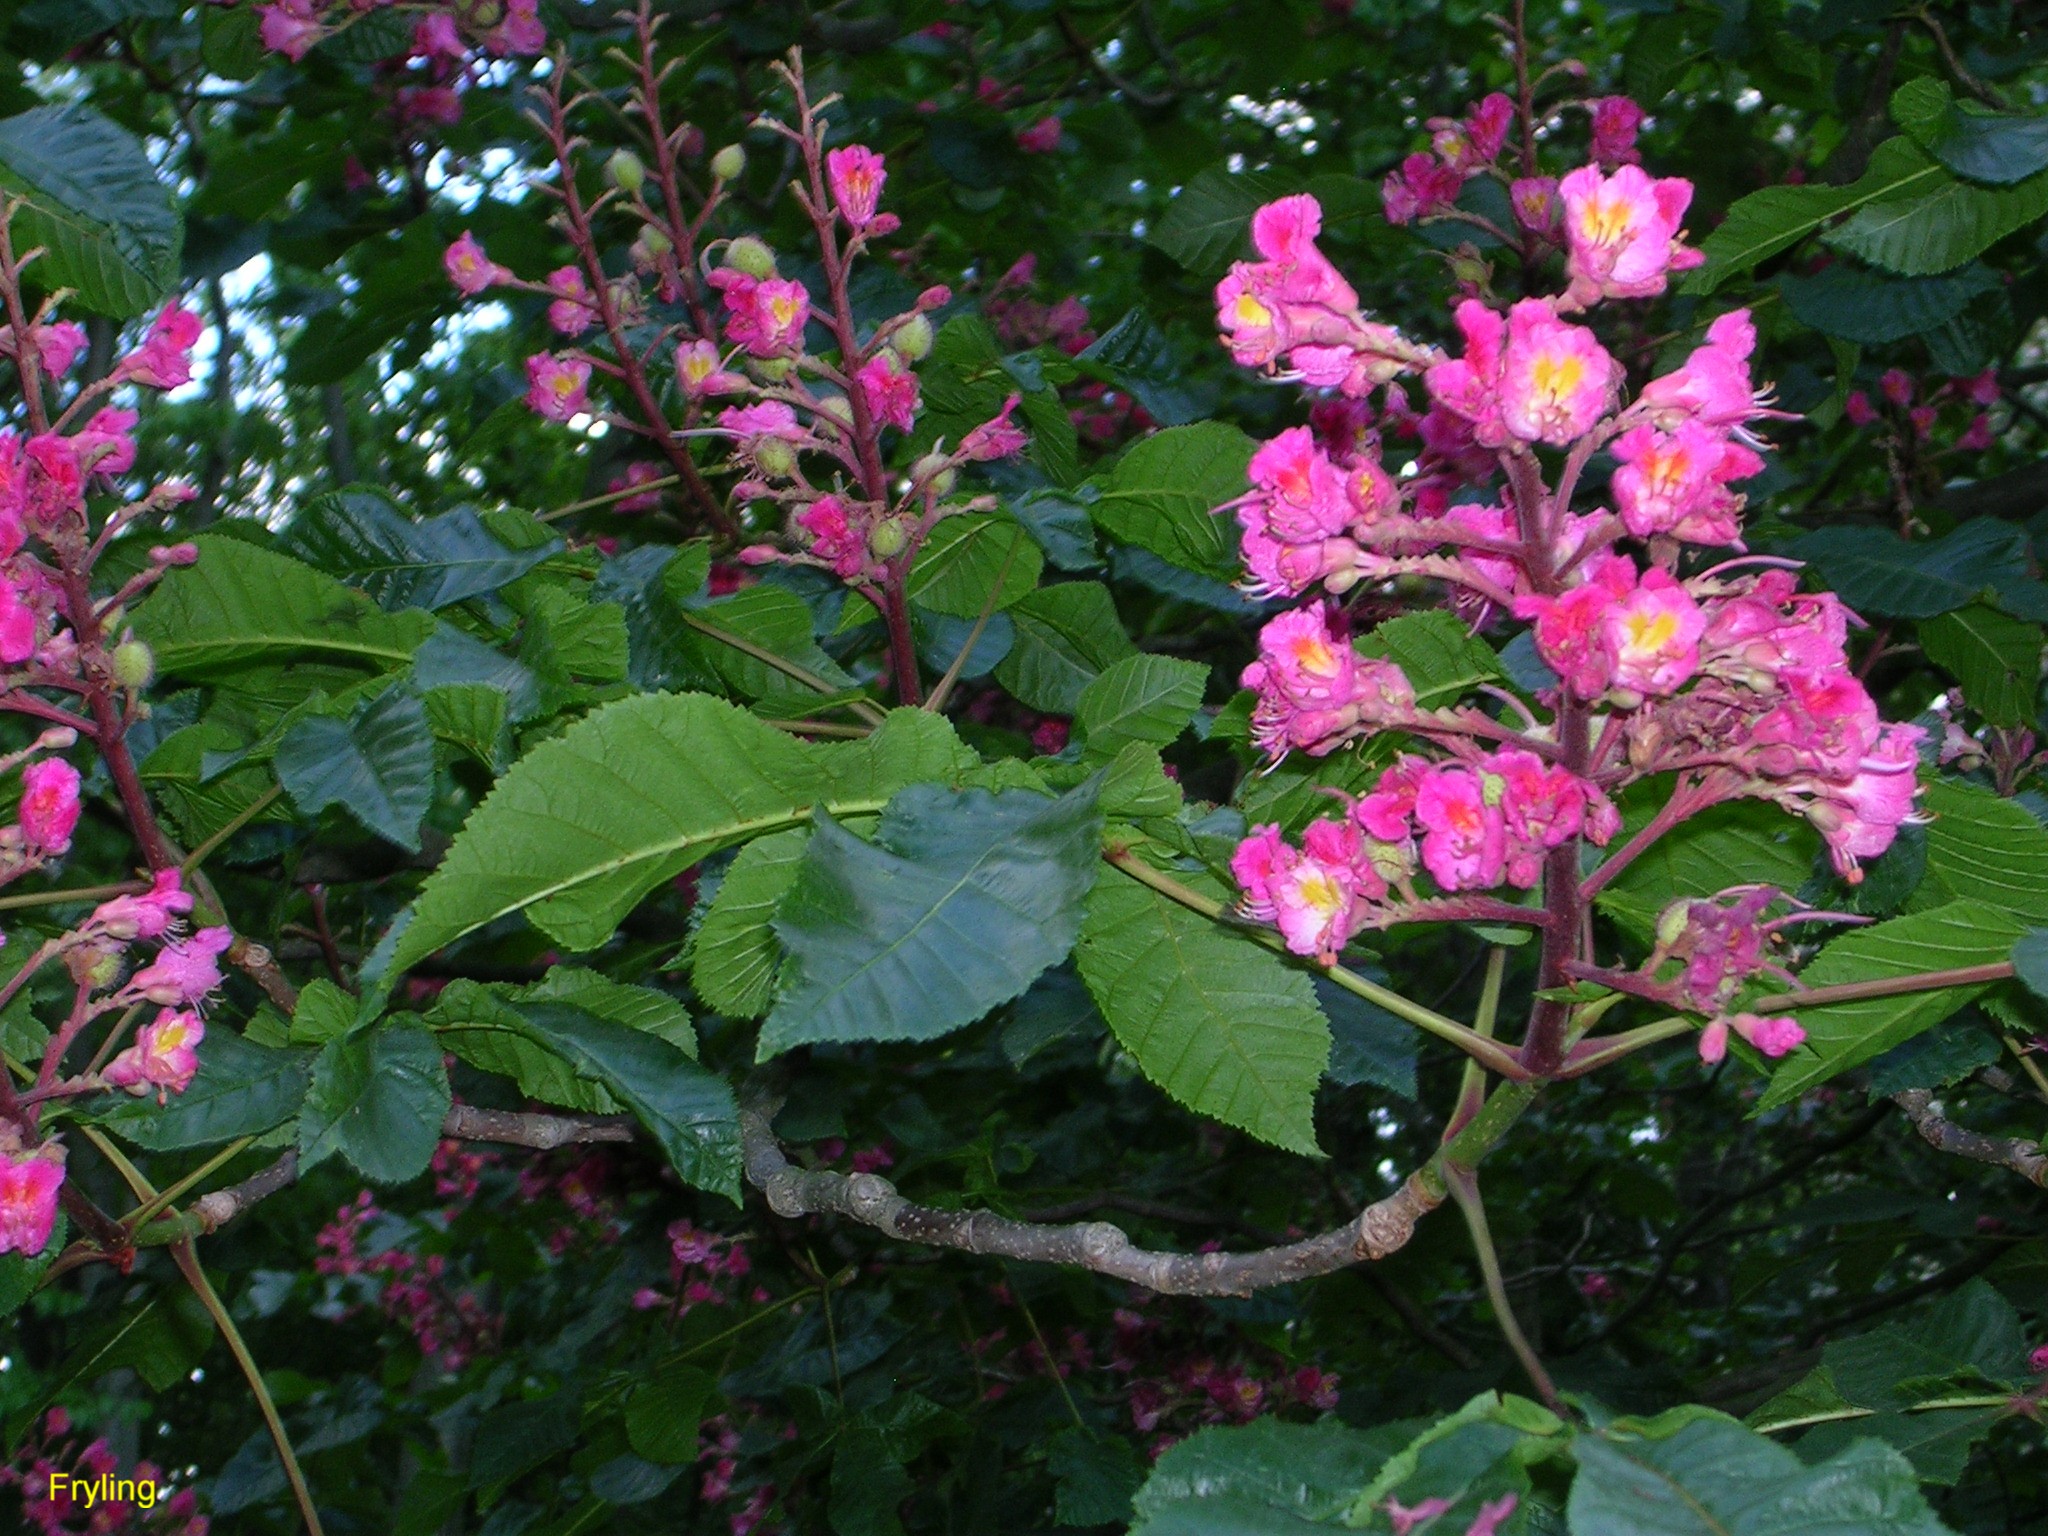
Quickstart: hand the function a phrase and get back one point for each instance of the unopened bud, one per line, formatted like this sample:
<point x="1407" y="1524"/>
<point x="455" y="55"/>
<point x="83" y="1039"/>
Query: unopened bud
<point x="912" y="340"/>
<point x="775" y="457"/>
<point x="935" y="473"/>
<point x="626" y="172"/>
<point x="938" y="296"/>
<point x="655" y="243"/>
<point x="835" y="409"/>
<point x="134" y="664"/>
<point x="774" y="369"/>
<point x="1469" y="269"/>
<point x="730" y="163"/>
<point x="1671" y="923"/>
<point x="750" y="255"/>
<point x="888" y="538"/>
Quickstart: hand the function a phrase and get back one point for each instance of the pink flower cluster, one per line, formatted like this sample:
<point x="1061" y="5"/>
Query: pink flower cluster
<point x="454" y="30"/>
<point x="1731" y="679"/>
<point x="1291" y="314"/>
<point x="450" y="1326"/>
<point x="1912" y="410"/>
<point x="1427" y="185"/>
<point x="30" y="1178"/>
<point x="702" y="1269"/>
<point x="66" y="1488"/>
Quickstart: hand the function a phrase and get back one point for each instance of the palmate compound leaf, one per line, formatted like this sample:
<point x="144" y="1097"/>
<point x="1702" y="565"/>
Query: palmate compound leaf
<point x="379" y="765"/>
<point x="1214" y="1018"/>
<point x="378" y="1097"/>
<point x="961" y="901"/>
<point x="585" y="825"/>
<point x="360" y="535"/>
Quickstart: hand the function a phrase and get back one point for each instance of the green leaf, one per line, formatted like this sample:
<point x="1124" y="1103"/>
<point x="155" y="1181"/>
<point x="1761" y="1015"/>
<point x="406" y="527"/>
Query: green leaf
<point x="378" y="766"/>
<point x="1441" y="658"/>
<point x="569" y="639"/>
<point x="774" y="619"/>
<point x="241" y="1089"/>
<point x="1939" y="223"/>
<point x="1136" y="357"/>
<point x="961" y="900"/>
<point x="972" y="561"/>
<point x="1998" y="147"/>
<point x="378" y="1098"/>
<point x="1742" y="842"/>
<point x="629" y="797"/>
<point x="241" y="603"/>
<point x="1877" y="572"/>
<point x="1872" y="309"/>
<point x="868" y="1485"/>
<point x="690" y="1112"/>
<point x="480" y="1023"/>
<point x="662" y="1414"/>
<point x="1764" y="223"/>
<point x="1215" y="1019"/>
<point x="1141" y="699"/>
<point x="324" y="1013"/>
<point x="1094" y="1477"/>
<point x="1983" y="848"/>
<point x="1996" y="659"/>
<point x="1968" y="1337"/>
<point x="21" y="1274"/>
<point x="1206" y="224"/>
<point x="93" y="202"/>
<point x="616" y="1002"/>
<point x="472" y="716"/>
<point x="2030" y="961"/>
<point x="360" y="535"/>
<point x="1945" y="1054"/>
<point x="517" y="1437"/>
<point x="1163" y="495"/>
<point x="1712" y="1477"/>
<point x="1842" y="1035"/>
<point x="736" y="951"/>
<point x="1266" y="1476"/>
<point x="1066" y="636"/>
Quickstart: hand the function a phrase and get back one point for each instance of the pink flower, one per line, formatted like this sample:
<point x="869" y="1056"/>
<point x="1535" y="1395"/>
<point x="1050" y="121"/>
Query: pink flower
<point x="2038" y="1360"/>
<point x="751" y="425"/>
<point x="289" y="27"/>
<point x="701" y="372"/>
<point x="1979" y="388"/>
<point x="1896" y="385"/>
<point x="856" y="175"/>
<point x="434" y="36"/>
<point x="1541" y="807"/>
<point x="557" y="388"/>
<point x="1423" y="187"/>
<point x="1536" y="204"/>
<point x="164" y="1057"/>
<point x="147" y="916"/>
<point x="833" y="537"/>
<point x="107" y="441"/>
<point x="1978" y="436"/>
<point x="1315" y="690"/>
<point x="1464" y="844"/>
<point x="1860" y="819"/>
<point x="1567" y="627"/>
<point x="1615" y="121"/>
<point x="1041" y="138"/>
<point x="1651" y="637"/>
<point x="1556" y="379"/>
<point x="19" y="623"/>
<point x="519" y="30"/>
<point x="572" y="312"/>
<point x="1316" y="899"/>
<point x="1405" y="1519"/>
<point x="889" y="390"/>
<point x="164" y="360"/>
<point x="1622" y="233"/>
<point x="1469" y="386"/>
<point x="1676" y="482"/>
<point x="995" y="438"/>
<point x="49" y="805"/>
<point x="57" y="346"/>
<point x="28" y="1198"/>
<point x="1488" y="1521"/>
<point x="183" y="974"/>
<point x="1304" y="491"/>
<point x="1773" y="1037"/>
<point x="1486" y="127"/>
<point x="1712" y="385"/>
<point x="639" y="472"/>
<point x="765" y="315"/>
<point x="1858" y="409"/>
<point x="469" y="269"/>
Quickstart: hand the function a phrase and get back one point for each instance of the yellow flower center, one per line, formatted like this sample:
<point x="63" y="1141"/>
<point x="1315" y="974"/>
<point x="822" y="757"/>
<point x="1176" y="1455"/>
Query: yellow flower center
<point x="1314" y="655"/>
<point x="1606" y="221"/>
<point x="1650" y="632"/>
<point x="1557" y="374"/>
<point x="1320" y="892"/>
<point x="1250" y="312"/>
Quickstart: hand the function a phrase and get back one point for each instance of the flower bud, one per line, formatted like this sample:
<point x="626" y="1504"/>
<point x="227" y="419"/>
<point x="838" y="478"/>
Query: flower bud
<point x="912" y="340"/>
<point x="1469" y="269"/>
<point x="1671" y="923"/>
<point x="938" y="296"/>
<point x="655" y="243"/>
<point x="750" y="255"/>
<point x="888" y="538"/>
<point x="134" y="664"/>
<point x="730" y="163"/>
<point x="835" y="409"/>
<point x="775" y="457"/>
<point x="626" y="172"/>
<point x="774" y="369"/>
<point x="934" y="472"/>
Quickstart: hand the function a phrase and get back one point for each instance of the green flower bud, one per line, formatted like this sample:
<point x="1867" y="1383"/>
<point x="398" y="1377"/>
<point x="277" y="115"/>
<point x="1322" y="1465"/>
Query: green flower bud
<point x="888" y="538"/>
<point x="912" y="341"/>
<point x="775" y="457"/>
<point x="134" y="664"/>
<point x="655" y="243"/>
<point x="626" y="172"/>
<point x="1671" y="923"/>
<point x="934" y="472"/>
<point x="751" y="256"/>
<point x="835" y="409"/>
<point x="774" y="369"/>
<point x="730" y="163"/>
